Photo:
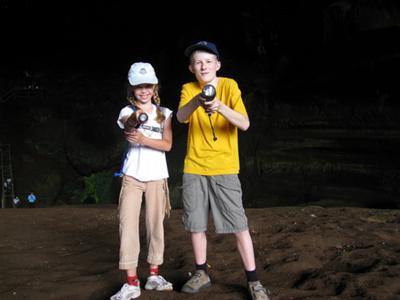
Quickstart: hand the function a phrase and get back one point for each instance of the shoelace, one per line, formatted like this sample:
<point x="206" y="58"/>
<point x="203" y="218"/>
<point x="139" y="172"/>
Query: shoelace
<point x="259" y="288"/>
<point x="196" y="277"/>
<point x="163" y="281"/>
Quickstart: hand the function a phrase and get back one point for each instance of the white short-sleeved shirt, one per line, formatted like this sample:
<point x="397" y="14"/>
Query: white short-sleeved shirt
<point x="141" y="162"/>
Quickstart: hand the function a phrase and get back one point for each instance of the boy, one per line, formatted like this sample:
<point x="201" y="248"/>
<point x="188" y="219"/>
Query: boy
<point x="211" y="165"/>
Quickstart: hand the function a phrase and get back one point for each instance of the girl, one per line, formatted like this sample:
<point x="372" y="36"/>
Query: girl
<point x="147" y="127"/>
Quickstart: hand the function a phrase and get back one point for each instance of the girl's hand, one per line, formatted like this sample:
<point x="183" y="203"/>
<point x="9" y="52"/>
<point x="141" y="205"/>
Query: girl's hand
<point x="134" y="136"/>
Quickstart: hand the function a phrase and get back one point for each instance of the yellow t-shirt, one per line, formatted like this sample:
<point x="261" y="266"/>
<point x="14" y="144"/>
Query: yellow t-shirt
<point x="204" y="156"/>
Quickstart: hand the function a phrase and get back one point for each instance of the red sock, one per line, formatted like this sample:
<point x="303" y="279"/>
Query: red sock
<point x="133" y="280"/>
<point x="153" y="270"/>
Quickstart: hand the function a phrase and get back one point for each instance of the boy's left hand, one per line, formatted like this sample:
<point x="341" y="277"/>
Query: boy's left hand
<point x="211" y="106"/>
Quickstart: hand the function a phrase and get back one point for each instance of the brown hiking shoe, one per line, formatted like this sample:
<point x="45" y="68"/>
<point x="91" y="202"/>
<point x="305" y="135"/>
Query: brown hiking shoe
<point x="200" y="280"/>
<point x="257" y="291"/>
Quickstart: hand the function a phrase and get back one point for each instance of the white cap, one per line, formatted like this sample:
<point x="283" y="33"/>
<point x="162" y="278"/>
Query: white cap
<point x="141" y="73"/>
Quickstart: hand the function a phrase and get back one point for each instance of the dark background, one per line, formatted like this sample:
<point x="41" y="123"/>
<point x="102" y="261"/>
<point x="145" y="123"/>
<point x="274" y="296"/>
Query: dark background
<point x="319" y="79"/>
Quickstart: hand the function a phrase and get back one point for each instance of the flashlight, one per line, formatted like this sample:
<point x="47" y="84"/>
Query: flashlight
<point x="142" y="118"/>
<point x="208" y="92"/>
<point x="135" y="122"/>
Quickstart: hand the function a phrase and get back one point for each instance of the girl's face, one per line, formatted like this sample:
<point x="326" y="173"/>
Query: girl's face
<point x="204" y="66"/>
<point x="143" y="93"/>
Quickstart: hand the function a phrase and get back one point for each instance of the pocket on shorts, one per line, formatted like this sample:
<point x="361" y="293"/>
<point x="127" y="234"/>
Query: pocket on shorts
<point x="230" y="190"/>
<point x="230" y="182"/>
<point x="190" y="189"/>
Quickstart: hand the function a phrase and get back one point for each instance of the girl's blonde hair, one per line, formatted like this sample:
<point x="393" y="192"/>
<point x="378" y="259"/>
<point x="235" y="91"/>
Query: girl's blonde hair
<point x="155" y="99"/>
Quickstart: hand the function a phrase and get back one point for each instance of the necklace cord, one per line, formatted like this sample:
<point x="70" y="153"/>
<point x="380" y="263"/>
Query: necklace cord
<point x="212" y="128"/>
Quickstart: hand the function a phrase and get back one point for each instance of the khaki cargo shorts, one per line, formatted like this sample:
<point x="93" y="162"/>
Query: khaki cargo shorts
<point x="222" y="194"/>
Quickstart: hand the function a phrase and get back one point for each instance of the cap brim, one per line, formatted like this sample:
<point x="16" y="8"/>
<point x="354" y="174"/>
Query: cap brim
<point x="135" y="82"/>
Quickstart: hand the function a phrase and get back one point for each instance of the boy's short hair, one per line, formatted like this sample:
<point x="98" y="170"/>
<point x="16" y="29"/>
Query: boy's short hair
<point x="202" y="45"/>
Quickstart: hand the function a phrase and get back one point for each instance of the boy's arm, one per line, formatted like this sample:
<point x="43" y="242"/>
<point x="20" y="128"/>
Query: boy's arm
<point x="233" y="117"/>
<point x="186" y="110"/>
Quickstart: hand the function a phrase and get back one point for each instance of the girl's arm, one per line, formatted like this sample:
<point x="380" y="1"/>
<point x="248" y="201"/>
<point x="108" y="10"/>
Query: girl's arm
<point x="165" y="144"/>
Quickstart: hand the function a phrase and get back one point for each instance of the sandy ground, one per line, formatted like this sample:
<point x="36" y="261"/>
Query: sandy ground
<point x="302" y="253"/>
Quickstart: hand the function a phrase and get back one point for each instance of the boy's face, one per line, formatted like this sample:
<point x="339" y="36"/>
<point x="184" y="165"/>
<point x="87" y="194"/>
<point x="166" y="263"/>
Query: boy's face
<point x="204" y="66"/>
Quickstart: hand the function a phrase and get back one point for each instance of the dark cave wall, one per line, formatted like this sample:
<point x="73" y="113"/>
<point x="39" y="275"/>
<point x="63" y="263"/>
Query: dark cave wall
<point x="318" y="80"/>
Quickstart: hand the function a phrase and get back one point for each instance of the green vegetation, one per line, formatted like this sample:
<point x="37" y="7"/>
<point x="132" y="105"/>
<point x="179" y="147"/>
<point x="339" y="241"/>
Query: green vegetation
<point x="98" y="188"/>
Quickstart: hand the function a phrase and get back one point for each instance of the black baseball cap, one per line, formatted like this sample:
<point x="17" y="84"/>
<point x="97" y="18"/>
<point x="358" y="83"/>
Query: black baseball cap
<point x="202" y="45"/>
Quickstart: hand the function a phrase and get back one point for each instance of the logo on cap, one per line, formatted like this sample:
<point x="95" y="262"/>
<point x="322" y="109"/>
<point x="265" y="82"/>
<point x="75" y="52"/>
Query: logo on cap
<point x="142" y="71"/>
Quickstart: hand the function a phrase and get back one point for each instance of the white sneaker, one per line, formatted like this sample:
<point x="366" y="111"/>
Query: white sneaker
<point x="158" y="283"/>
<point x="127" y="292"/>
